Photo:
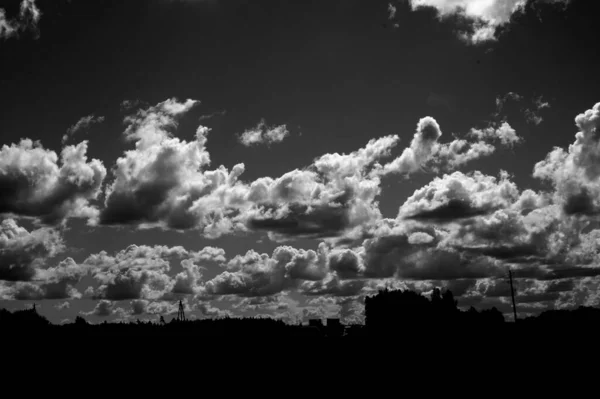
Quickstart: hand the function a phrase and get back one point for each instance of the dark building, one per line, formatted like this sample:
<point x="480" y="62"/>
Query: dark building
<point x="334" y="328"/>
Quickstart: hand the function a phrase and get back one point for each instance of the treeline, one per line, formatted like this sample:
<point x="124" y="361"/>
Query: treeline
<point x="398" y="313"/>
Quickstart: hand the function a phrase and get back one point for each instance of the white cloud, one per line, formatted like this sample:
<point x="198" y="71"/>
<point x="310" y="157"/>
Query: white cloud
<point x="392" y="11"/>
<point x="22" y="252"/>
<point x="36" y="186"/>
<point x="575" y="174"/>
<point x="29" y="16"/>
<point x="83" y="123"/>
<point x="263" y="134"/>
<point x="485" y="16"/>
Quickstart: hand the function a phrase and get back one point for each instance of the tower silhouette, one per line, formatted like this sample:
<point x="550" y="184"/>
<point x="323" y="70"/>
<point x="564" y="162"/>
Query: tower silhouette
<point x="180" y="312"/>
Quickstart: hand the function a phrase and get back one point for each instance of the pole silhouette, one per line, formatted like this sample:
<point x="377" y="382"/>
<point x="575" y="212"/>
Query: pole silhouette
<point x="512" y="294"/>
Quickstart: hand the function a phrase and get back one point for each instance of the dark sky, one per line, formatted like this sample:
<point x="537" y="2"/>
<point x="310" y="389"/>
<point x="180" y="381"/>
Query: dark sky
<point x="332" y="75"/>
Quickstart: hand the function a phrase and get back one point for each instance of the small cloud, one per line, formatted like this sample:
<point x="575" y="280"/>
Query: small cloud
<point x="83" y="123"/>
<point x="392" y="11"/>
<point x="103" y="308"/>
<point x="263" y="134"/>
<point x="29" y="16"/>
<point x="211" y="115"/>
<point x="126" y="105"/>
<point x="532" y="115"/>
<point x="62" y="305"/>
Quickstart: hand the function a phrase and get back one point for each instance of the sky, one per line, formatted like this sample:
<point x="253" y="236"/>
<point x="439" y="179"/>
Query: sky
<point x="288" y="158"/>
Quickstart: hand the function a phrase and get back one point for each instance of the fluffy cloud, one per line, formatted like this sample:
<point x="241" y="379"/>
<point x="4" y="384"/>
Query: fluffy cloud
<point x="83" y="123"/>
<point x="263" y="134"/>
<point x="458" y="196"/>
<point x="505" y="133"/>
<point x="29" y="15"/>
<point x="575" y="174"/>
<point x="484" y="16"/>
<point x="22" y="252"/>
<point x="426" y="152"/>
<point x="333" y="195"/>
<point x="142" y="272"/>
<point x="160" y="182"/>
<point x="34" y="185"/>
<point x="255" y="274"/>
<point x="421" y="148"/>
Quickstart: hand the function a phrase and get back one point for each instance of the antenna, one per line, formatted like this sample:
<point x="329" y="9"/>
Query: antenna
<point x="180" y="312"/>
<point x="512" y="293"/>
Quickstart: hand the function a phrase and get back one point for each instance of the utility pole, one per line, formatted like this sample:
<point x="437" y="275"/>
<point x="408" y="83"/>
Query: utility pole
<point x="512" y="293"/>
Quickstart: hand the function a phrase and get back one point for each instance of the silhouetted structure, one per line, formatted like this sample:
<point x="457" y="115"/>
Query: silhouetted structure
<point x="388" y="314"/>
<point x="180" y="312"/>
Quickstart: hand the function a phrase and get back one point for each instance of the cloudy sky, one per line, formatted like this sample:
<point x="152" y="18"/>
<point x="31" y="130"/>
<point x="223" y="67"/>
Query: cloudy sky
<point x="287" y="158"/>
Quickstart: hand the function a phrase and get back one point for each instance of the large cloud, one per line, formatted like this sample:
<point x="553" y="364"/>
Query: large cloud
<point x="575" y="173"/>
<point x="56" y="282"/>
<point x="160" y="182"/>
<point x="254" y="274"/>
<point x="458" y="196"/>
<point x="427" y="153"/>
<point x="484" y="16"/>
<point x="142" y="272"/>
<point x="34" y="185"/>
<point x="22" y="252"/>
<point x="334" y="194"/>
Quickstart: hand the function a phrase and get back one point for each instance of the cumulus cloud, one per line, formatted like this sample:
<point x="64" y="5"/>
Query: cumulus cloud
<point x="505" y="134"/>
<point x="29" y="16"/>
<point x="82" y="124"/>
<point x="336" y="193"/>
<point x="263" y="134"/>
<point x="23" y="252"/>
<point x="34" y="185"/>
<point x="421" y="148"/>
<point x="484" y="17"/>
<point x="458" y="196"/>
<point x="142" y="272"/>
<point x="160" y="183"/>
<point x="575" y="173"/>
<point x="427" y="153"/>
<point x="164" y="182"/>
<point x="254" y="274"/>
